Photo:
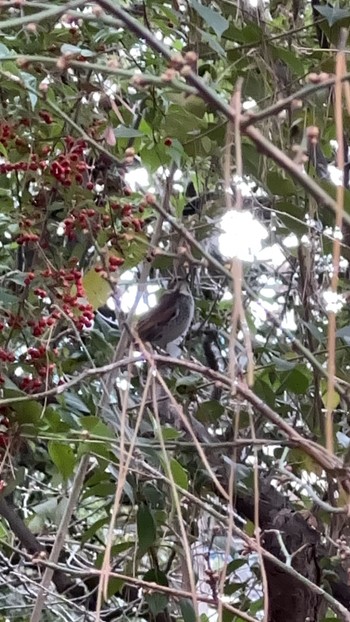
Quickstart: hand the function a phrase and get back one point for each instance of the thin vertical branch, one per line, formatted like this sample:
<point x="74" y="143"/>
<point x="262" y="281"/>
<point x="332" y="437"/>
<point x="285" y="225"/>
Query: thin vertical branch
<point x="257" y="519"/>
<point x="175" y="495"/>
<point x="59" y="540"/>
<point x="331" y="365"/>
<point x="238" y="314"/>
<point x="124" y="465"/>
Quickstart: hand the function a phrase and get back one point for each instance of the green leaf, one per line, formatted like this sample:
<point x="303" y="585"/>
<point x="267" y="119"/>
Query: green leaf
<point x="103" y="490"/>
<point x="212" y="18"/>
<point x="279" y="185"/>
<point x="153" y="496"/>
<point x="26" y="412"/>
<point x="179" y="474"/>
<point x="213" y="44"/>
<point x="146" y="528"/>
<point x="344" y="333"/>
<point x="73" y="401"/>
<point x="47" y="509"/>
<point x="182" y="124"/>
<point x="265" y="392"/>
<point x="192" y="380"/>
<point x="252" y="33"/>
<point x="97" y="427"/>
<point x="3" y="151"/>
<point x="3" y="532"/>
<point x="176" y="151"/>
<point x="332" y="14"/>
<point x="187" y="610"/>
<point x="134" y="250"/>
<point x="156" y="601"/>
<point x="297" y="381"/>
<point x="74" y="50"/>
<point x="127" y="132"/>
<point x="96" y="288"/>
<point x="69" y="49"/>
<point x="315" y="332"/>
<point x="7" y="299"/>
<point x="93" y="529"/>
<point x="170" y="434"/>
<point x="210" y="411"/>
<point x="334" y="400"/>
<point x="4" y="51"/>
<point x="30" y="81"/>
<point x="290" y="59"/>
<point x="63" y="457"/>
<point x="114" y="586"/>
<point x="282" y="364"/>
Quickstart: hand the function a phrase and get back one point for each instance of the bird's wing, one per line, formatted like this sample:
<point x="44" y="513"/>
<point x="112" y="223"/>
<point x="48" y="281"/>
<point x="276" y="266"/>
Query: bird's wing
<point x="148" y="326"/>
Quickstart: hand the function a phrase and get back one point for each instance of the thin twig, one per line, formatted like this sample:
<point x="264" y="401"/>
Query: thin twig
<point x="332" y="325"/>
<point x="176" y="498"/>
<point x="257" y="522"/>
<point x="36" y="18"/>
<point x="60" y="537"/>
<point x="124" y="464"/>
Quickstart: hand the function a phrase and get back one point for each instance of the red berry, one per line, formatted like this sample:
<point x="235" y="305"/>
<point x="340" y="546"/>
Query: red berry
<point x="116" y="261"/>
<point x="81" y="167"/>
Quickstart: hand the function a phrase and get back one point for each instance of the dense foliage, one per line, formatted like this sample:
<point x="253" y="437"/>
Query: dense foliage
<point x="137" y="485"/>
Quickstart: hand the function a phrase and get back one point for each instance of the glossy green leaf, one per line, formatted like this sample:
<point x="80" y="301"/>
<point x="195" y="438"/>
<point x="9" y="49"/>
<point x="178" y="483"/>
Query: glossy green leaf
<point x="209" y="411"/>
<point x="282" y="186"/>
<point x="212" y="18"/>
<point x="126" y="132"/>
<point x="297" y="381"/>
<point x="332" y="14"/>
<point x="187" y="610"/>
<point x="63" y="457"/>
<point x="146" y="528"/>
<point x="157" y="601"/>
<point x="179" y="474"/>
<point x="97" y="289"/>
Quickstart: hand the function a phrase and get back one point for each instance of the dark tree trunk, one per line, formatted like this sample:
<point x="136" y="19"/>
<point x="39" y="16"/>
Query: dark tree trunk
<point x="289" y="599"/>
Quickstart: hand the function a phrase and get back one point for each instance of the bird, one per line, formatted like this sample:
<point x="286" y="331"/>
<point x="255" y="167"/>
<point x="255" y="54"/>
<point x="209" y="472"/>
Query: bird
<point x="168" y="322"/>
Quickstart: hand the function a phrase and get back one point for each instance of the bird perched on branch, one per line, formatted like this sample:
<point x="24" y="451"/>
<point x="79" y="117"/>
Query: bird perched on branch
<point x="168" y="322"/>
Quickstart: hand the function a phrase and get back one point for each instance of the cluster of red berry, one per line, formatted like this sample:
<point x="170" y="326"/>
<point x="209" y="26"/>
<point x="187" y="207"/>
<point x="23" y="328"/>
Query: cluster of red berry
<point x="125" y="213"/>
<point x="85" y="220"/>
<point x="65" y="168"/>
<point x="7" y="132"/>
<point x="70" y="166"/>
<point x="32" y="164"/>
<point x="37" y="357"/>
<point x="66" y="286"/>
<point x="30" y="385"/>
<point x="24" y="238"/>
<point x="39" y="326"/>
<point x="60" y="283"/>
<point x="6" y="356"/>
<point x="113" y="264"/>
